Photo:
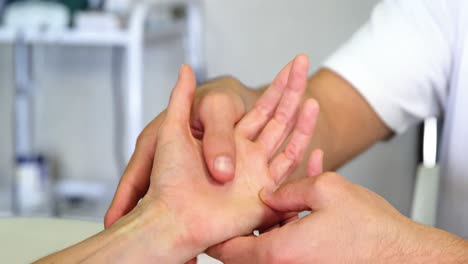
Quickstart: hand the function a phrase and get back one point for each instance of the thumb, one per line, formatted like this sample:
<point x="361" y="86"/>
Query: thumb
<point x="219" y="112"/>
<point x="219" y="147"/>
<point x="290" y="197"/>
<point x="181" y="99"/>
<point x="296" y="196"/>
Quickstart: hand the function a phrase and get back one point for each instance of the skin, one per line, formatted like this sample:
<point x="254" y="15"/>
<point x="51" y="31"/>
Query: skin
<point x="347" y="126"/>
<point x="369" y="229"/>
<point x="179" y="217"/>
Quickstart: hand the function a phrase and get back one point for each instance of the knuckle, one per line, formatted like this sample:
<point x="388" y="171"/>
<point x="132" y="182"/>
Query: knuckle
<point x="326" y="181"/>
<point x="215" y="102"/>
<point x="282" y="116"/>
<point x="280" y="82"/>
<point x="216" y="98"/>
<point x="141" y="140"/>
<point x="291" y="151"/>
<point x="263" y="111"/>
<point x="332" y="184"/>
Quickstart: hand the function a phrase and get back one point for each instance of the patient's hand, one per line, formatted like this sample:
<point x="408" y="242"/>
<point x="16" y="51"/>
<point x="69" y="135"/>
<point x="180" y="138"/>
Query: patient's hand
<point x="209" y="212"/>
<point x="185" y="211"/>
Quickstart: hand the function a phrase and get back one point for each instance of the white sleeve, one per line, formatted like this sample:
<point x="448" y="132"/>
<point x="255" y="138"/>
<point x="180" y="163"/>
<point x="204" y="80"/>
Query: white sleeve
<point x="400" y="61"/>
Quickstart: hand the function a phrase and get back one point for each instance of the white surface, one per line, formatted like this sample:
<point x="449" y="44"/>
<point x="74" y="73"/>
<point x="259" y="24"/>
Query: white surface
<point x="424" y="208"/>
<point x="97" y="21"/>
<point x="400" y="61"/>
<point x="410" y="63"/>
<point x="37" y="15"/>
<point x="23" y="240"/>
<point x="71" y="37"/>
<point x="430" y="140"/>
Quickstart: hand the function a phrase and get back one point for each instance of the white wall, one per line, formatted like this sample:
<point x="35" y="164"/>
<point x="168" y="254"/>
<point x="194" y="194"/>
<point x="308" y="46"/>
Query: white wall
<point x="251" y="40"/>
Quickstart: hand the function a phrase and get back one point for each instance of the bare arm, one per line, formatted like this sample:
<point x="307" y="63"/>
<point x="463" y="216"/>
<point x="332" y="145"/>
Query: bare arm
<point x="148" y="234"/>
<point x="350" y="125"/>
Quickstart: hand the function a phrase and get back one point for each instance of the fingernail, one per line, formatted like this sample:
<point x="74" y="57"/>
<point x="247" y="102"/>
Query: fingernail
<point x="224" y="164"/>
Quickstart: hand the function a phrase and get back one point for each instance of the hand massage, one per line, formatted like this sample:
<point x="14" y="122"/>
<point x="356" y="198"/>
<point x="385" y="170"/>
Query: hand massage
<point x="186" y="209"/>
<point x="226" y="169"/>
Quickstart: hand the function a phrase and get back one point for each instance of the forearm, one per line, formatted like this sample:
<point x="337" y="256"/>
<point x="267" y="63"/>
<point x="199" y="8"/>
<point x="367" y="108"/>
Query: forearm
<point x="429" y="245"/>
<point x="347" y="124"/>
<point x="143" y="236"/>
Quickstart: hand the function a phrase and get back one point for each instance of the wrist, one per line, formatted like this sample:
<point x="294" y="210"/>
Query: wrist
<point x="168" y="236"/>
<point x="148" y="234"/>
<point x="151" y="233"/>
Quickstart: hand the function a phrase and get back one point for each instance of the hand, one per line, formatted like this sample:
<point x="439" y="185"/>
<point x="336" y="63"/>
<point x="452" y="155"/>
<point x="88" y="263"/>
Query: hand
<point x="205" y="211"/>
<point x="348" y="224"/>
<point x="218" y="106"/>
<point x="185" y="211"/>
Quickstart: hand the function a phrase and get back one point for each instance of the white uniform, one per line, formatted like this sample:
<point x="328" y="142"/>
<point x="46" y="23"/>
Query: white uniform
<point x="410" y="61"/>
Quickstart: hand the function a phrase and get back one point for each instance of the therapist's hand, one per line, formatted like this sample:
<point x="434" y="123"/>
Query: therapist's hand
<point x="180" y="177"/>
<point x="218" y="106"/>
<point x="184" y="210"/>
<point x="348" y="224"/>
<point x="205" y="211"/>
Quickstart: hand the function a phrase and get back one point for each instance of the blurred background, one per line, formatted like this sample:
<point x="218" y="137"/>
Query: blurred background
<point x="80" y="78"/>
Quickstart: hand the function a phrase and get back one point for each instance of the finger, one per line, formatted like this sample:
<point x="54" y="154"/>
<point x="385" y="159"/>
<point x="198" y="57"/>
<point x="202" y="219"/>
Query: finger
<point x="237" y="250"/>
<point x="180" y="103"/>
<point x="214" y="116"/>
<point x="278" y="128"/>
<point x="315" y="164"/>
<point x="135" y="180"/>
<point x="291" y="197"/>
<point x="255" y="120"/>
<point x="310" y="193"/>
<point x="286" y="162"/>
<point x="218" y="140"/>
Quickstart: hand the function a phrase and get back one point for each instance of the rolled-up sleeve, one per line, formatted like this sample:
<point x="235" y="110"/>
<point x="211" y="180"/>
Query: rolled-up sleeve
<point x="400" y="61"/>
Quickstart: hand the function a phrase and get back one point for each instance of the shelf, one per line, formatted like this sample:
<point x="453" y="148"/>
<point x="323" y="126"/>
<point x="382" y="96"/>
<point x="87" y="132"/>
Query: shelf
<point x="88" y="38"/>
<point x="68" y="37"/>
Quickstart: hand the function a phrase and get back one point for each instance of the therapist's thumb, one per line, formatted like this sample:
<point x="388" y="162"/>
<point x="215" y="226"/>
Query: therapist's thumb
<point x="219" y="112"/>
<point x="303" y="194"/>
<point x="290" y="197"/>
<point x="180" y="102"/>
<point x="219" y="149"/>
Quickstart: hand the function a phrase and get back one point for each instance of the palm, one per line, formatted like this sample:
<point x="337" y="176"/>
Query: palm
<point x="221" y="211"/>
